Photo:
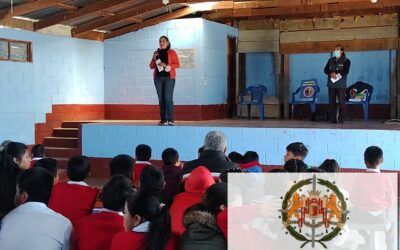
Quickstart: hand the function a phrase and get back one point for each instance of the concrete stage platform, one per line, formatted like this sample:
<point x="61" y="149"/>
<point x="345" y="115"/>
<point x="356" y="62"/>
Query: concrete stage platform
<point x="346" y="143"/>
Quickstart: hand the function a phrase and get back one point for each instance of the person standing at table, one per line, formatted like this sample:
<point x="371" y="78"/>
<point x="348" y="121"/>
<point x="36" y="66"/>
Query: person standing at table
<point x="164" y="62"/>
<point x="337" y="68"/>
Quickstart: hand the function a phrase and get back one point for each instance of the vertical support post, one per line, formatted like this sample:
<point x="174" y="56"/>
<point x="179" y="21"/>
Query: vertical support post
<point x="286" y="85"/>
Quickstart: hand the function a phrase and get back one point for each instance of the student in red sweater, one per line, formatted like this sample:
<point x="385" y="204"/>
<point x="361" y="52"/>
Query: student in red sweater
<point x="216" y="201"/>
<point x="147" y="224"/>
<point x="142" y="157"/>
<point x="97" y="230"/>
<point x="172" y="170"/>
<point x="74" y="199"/>
<point x="195" y="186"/>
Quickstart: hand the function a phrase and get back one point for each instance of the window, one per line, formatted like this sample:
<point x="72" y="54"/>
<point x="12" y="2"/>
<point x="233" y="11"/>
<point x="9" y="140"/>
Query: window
<point x="16" y="51"/>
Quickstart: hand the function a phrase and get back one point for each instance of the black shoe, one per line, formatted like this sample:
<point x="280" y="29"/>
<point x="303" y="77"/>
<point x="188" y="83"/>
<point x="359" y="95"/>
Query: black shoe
<point x="162" y="122"/>
<point x="341" y="122"/>
<point x="332" y="121"/>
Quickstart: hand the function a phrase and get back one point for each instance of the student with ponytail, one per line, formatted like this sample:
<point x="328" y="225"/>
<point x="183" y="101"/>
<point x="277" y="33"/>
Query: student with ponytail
<point x="147" y="224"/>
<point x="14" y="157"/>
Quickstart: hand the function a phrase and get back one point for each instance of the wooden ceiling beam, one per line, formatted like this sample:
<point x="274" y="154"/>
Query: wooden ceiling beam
<point x="84" y="11"/>
<point x="96" y="24"/>
<point x="26" y="8"/>
<point x="149" y="22"/>
<point x="64" y="6"/>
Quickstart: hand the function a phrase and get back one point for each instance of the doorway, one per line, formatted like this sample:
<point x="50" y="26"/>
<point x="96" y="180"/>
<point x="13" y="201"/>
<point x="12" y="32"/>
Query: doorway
<point x="231" y="77"/>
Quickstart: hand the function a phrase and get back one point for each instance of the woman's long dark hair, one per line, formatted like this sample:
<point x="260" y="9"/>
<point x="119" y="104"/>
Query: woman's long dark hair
<point x="16" y="149"/>
<point x="166" y="38"/>
<point x="150" y="209"/>
<point x="9" y="171"/>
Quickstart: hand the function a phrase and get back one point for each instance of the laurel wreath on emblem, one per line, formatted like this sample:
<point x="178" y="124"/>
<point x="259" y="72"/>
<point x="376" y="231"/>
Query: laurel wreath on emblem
<point x="293" y="231"/>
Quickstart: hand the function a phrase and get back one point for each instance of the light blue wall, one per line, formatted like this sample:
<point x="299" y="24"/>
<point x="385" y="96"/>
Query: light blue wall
<point x="107" y="141"/>
<point x="260" y="69"/>
<point x="129" y="80"/>
<point x="64" y="71"/>
<point x="370" y="66"/>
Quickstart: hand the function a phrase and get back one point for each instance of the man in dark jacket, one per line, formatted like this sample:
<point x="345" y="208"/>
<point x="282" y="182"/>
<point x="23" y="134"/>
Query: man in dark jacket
<point x="213" y="157"/>
<point x="337" y="69"/>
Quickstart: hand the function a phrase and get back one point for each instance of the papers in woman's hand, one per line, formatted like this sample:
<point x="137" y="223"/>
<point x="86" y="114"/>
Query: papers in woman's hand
<point x="338" y="77"/>
<point x="160" y="68"/>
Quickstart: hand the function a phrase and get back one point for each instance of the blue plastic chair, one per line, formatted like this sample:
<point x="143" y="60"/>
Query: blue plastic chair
<point x="364" y="103"/>
<point x="306" y="94"/>
<point x="257" y="93"/>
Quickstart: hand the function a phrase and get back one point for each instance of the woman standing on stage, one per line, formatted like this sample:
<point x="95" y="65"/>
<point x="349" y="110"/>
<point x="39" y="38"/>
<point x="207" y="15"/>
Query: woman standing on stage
<point x="164" y="62"/>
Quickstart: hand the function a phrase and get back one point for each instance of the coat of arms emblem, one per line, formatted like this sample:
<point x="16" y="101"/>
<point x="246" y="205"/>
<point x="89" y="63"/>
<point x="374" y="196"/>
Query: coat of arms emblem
<point x="314" y="211"/>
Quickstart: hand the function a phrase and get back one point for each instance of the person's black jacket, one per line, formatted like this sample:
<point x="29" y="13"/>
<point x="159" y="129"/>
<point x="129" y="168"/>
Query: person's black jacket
<point x="202" y="232"/>
<point x="342" y="67"/>
<point x="214" y="161"/>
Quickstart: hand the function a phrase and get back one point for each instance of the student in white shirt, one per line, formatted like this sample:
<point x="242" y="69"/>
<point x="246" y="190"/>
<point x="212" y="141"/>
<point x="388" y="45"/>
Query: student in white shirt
<point x="32" y="225"/>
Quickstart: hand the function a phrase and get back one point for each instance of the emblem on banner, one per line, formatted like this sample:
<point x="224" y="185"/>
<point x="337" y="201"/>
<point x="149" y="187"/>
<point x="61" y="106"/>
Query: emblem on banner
<point x="314" y="211"/>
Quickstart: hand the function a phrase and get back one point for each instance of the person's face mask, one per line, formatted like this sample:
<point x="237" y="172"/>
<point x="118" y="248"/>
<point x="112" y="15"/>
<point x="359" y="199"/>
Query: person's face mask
<point x="336" y="53"/>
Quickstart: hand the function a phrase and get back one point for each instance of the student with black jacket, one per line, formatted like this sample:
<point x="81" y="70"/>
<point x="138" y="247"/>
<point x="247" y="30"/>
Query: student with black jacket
<point x="337" y="68"/>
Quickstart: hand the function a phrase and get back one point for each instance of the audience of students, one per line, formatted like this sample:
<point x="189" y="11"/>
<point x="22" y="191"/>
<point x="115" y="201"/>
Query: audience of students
<point x="13" y="160"/>
<point x="96" y="231"/>
<point x="123" y="165"/>
<point x="194" y="188"/>
<point x="32" y="225"/>
<point x="50" y="165"/>
<point x="142" y="157"/>
<point x="147" y="224"/>
<point x="213" y="157"/>
<point x="37" y="153"/>
<point x="197" y="218"/>
<point x="172" y="171"/>
<point x="74" y="199"/>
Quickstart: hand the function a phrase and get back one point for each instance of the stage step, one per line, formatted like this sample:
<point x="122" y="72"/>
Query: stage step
<point x="65" y="132"/>
<point x="62" y="142"/>
<point x="73" y="124"/>
<point x="55" y="152"/>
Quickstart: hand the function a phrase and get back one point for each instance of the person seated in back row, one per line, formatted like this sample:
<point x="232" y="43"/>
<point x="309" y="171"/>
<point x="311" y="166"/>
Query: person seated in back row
<point x="172" y="174"/>
<point x="195" y="186"/>
<point x="213" y="157"/>
<point x="123" y="165"/>
<point x="147" y="225"/>
<point x="97" y="230"/>
<point x="202" y="232"/>
<point x="142" y="157"/>
<point x="50" y="165"/>
<point x="74" y="199"/>
<point x="296" y="151"/>
<point x="37" y="153"/>
<point x="251" y="162"/>
<point x="32" y="225"/>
